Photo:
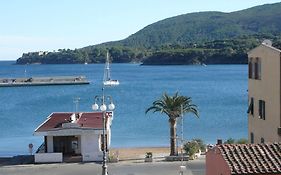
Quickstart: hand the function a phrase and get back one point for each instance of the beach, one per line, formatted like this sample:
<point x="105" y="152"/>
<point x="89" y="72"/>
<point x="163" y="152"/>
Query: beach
<point x="139" y="153"/>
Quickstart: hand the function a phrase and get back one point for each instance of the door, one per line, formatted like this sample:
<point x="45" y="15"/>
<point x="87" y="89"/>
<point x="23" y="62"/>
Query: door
<point x="65" y="144"/>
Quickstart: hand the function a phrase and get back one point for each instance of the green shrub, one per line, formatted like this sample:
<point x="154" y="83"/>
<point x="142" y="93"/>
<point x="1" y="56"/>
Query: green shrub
<point x="242" y="141"/>
<point x="201" y="144"/>
<point x="233" y="141"/>
<point x="191" y="148"/>
<point x="230" y="141"/>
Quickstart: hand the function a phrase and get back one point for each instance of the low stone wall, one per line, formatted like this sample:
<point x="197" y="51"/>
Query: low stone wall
<point x="176" y="158"/>
<point x="48" y="157"/>
<point x="90" y="157"/>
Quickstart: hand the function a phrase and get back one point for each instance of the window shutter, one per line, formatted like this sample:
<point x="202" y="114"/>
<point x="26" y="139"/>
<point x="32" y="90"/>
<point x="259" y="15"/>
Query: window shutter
<point x="256" y="70"/>
<point x="259" y="69"/>
<point x="251" y="107"/>
<point x="263" y="111"/>
<point x="260" y="109"/>
<point x="250" y="71"/>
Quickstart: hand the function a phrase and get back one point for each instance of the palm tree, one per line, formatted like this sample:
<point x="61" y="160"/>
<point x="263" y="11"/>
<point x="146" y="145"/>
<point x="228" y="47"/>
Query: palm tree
<point x="173" y="107"/>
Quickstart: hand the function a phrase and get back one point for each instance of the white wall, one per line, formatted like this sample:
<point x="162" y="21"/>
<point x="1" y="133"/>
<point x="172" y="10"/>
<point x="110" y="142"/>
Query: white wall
<point x="48" y="157"/>
<point x="50" y="144"/>
<point x="90" y="148"/>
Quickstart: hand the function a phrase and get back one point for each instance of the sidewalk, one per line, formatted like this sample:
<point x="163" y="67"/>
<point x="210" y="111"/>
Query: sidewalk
<point x="133" y="167"/>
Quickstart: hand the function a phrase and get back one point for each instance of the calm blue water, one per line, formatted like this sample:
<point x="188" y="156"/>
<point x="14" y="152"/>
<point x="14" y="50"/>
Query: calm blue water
<point x="220" y="91"/>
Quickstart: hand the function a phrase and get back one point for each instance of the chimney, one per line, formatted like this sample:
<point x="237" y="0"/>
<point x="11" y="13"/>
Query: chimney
<point x="267" y="42"/>
<point x="219" y="141"/>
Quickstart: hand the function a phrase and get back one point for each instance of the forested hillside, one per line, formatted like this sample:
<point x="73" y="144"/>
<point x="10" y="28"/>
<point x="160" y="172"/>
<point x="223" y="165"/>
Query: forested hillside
<point x="194" y="38"/>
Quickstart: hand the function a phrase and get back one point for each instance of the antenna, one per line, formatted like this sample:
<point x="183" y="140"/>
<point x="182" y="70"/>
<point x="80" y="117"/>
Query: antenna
<point x="76" y="101"/>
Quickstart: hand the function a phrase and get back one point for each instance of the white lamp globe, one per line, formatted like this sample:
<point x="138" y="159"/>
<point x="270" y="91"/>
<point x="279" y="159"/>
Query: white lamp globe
<point x="95" y="107"/>
<point x="103" y="107"/>
<point x="111" y="106"/>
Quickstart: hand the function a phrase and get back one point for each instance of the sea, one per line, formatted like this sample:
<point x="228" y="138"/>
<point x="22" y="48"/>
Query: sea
<point x="219" y="91"/>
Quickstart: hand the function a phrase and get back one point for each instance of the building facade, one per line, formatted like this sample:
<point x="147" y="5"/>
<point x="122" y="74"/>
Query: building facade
<point x="73" y="134"/>
<point x="264" y="89"/>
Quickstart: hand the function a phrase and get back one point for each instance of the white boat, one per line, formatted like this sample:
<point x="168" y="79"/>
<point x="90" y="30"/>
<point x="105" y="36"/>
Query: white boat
<point x="107" y="81"/>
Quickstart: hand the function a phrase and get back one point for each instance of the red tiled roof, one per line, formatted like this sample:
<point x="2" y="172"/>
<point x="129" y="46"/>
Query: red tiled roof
<point x="252" y="158"/>
<point x="91" y="120"/>
<point x="53" y="121"/>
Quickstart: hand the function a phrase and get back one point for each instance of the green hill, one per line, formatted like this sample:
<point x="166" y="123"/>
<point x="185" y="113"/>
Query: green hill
<point x="208" y="26"/>
<point x="227" y="36"/>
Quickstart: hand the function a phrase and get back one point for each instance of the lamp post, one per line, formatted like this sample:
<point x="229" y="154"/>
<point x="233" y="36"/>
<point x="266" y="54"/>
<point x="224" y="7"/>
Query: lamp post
<point x="102" y="100"/>
<point x="182" y="167"/>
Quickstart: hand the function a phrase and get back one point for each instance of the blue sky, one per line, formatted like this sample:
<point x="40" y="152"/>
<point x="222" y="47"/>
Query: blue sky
<point x="33" y="25"/>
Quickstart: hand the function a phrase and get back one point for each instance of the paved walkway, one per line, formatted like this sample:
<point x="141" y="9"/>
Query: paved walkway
<point x="194" y="167"/>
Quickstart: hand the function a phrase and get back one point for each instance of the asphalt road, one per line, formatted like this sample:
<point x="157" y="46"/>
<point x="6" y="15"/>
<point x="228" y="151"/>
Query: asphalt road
<point x="194" y="167"/>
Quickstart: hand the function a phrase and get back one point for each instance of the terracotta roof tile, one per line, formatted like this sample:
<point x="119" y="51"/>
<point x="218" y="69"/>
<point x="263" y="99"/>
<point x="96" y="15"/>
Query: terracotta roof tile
<point x="92" y="120"/>
<point x="53" y="121"/>
<point x="252" y="158"/>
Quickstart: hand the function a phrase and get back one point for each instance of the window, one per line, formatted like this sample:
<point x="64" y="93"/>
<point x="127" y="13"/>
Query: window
<point x="262" y="140"/>
<point x="254" y="68"/>
<point x="252" y="137"/>
<point x="262" y="109"/>
<point x="251" y="107"/>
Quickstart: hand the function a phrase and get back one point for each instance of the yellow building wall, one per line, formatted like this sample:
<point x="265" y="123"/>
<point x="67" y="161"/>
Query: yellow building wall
<point x="267" y="89"/>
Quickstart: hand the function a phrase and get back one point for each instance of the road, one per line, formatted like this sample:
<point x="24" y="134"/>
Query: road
<point x="194" y="167"/>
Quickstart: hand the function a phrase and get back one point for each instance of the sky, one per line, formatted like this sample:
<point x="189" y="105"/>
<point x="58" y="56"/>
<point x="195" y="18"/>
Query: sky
<point x="47" y="25"/>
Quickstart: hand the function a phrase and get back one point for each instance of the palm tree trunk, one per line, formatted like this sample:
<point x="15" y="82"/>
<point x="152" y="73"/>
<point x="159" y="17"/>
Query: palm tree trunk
<point x="173" y="135"/>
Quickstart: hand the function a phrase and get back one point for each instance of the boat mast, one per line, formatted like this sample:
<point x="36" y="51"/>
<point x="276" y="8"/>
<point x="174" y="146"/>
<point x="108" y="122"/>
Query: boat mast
<point x="106" y="75"/>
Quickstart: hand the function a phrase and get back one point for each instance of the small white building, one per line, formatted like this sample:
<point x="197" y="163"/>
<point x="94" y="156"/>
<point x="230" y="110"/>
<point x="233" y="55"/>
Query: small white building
<point x="69" y="135"/>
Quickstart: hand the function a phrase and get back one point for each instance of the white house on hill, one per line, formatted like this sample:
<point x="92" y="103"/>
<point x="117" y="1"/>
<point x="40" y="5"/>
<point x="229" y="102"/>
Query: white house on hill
<point x="73" y="134"/>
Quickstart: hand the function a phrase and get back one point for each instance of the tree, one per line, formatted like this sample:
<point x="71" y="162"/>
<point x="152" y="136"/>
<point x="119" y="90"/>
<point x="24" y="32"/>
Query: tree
<point x="173" y="106"/>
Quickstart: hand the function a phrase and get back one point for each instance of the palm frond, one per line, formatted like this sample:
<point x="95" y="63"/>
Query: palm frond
<point x="171" y="105"/>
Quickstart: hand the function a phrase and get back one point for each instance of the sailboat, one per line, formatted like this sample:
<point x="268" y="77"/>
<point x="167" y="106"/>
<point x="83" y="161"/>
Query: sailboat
<point x="107" y="81"/>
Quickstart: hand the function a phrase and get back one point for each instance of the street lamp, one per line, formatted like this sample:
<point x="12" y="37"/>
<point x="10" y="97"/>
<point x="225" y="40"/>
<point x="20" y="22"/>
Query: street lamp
<point x="102" y="100"/>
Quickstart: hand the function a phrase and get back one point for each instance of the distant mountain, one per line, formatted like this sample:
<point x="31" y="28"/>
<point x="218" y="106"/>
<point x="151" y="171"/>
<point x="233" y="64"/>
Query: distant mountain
<point x="202" y="30"/>
<point x="207" y="26"/>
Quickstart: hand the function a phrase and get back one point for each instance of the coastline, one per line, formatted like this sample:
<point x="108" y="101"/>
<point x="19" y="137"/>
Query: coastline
<point x="124" y="154"/>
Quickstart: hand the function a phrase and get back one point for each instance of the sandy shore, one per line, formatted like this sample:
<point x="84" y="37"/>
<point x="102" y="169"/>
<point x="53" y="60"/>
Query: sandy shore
<point x="139" y="153"/>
